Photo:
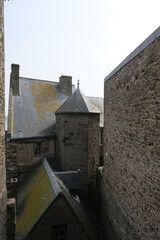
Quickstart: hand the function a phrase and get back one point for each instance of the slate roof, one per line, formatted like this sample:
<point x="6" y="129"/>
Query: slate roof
<point x="36" y="195"/>
<point x="33" y="111"/>
<point x="98" y="102"/>
<point x="78" y="103"/>
<point x="71" y="179"/>
<point x="32" y="114"/>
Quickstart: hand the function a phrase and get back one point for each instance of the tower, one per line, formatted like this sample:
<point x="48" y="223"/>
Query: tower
<point x="77" y="128"/>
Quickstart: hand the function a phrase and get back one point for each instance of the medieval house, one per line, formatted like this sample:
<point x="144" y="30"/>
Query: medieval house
<point x="32" y="127"/>
<point x="130" y="186"/>
<point x="56" y="121"/>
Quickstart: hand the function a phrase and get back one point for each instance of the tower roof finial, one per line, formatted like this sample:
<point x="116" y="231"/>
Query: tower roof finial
<point x="78" y="84"/>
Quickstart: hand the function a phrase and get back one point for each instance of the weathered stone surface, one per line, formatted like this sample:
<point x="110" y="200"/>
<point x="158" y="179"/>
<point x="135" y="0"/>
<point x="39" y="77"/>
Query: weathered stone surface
<point x="2" y="131"/>
<point x="74" y="145"/>
<point x="21" y="158"/>
<point x="65" y="84"/>
<point x="59" y="213"/>
<point x="93" y="155"/>
<point x="131" y="182"/>
<point x="11" y="218"/>
<point x="3" y="199"/>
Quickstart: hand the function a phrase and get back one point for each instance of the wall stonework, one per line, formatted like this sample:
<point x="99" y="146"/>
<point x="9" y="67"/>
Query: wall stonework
<point x="131" y="181"/>
<point x="11" y="219"/>
<point x="65" y="85"/>
<point x="93" y="155"/>
<point x="73" y="143"/>
<point x="2" y="131"/>
<point x="20" y="155"/>
<point x="59" y="213"/>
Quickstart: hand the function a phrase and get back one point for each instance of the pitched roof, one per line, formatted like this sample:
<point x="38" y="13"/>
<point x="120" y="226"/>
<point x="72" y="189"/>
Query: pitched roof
<point x="33" y="111"/>
<point x="36" y="195"/>
<point x="78" y="103"/>
<point x="98" y="102"/>
<point x="71" y="179"/>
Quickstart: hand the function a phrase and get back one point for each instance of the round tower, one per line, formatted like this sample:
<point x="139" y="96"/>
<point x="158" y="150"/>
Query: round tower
<point x="77" y="128"/>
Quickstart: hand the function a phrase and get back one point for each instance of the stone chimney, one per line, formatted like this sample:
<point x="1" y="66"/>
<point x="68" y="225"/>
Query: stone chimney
<point x="14" y="79"/>
<point x="65" y="83"/>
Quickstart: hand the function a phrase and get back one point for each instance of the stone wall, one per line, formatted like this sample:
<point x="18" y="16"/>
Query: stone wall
<point x="131" y="181"/>
<point x="93" y="155"/>
<point x="2" y="131"/>
<point x="20" y="155"/>
<point x="65" y="85"/>
<point x="59" y="213"/>
<point x="11" y="219"/>
<point x="72" y="142"/>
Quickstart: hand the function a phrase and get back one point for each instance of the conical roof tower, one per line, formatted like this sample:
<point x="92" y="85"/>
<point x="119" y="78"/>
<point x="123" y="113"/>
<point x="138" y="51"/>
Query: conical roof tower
<point x="78" y="103"/>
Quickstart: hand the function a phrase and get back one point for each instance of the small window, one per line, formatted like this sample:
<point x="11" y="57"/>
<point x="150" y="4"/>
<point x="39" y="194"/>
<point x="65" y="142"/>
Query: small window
<point x="101" y="136"/>
<point x="37" y="149"/>
<point x="59" y="232"/>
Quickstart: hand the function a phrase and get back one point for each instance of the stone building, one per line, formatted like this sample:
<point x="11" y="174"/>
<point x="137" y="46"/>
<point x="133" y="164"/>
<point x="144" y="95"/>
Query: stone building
<point x="3" y="195"/>
<point x="130" y="186"/>
<point x="78" y="133"/>
<point x="46" y="210"/>
<point x="32" y="122"/>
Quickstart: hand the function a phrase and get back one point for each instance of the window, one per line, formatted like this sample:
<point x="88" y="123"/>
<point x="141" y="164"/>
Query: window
<point x="37" y="149"/>
<point x="101" y="136"/>
<point x="59" y="232"/>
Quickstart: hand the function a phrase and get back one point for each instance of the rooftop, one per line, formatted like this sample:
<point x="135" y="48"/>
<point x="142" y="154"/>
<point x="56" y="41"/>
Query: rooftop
<point x="78" y="103"/>
<point x="36" y="195"/>
<point x="32" y="113"/>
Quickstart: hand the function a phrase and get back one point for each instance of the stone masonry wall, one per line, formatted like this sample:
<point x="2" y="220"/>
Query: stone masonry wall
<point x="59" y="213"/>
<point x="93" y="155"/>
<point x="131" y="181"/>
<point x="20" y="155"/>
<point x="72" y="141"/>
<point x="2" y="131"/>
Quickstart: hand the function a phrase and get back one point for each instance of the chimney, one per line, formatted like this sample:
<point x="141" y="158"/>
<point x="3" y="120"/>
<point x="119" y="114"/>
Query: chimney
<point x="65" y="83"/>
<point x="14" y="79"/>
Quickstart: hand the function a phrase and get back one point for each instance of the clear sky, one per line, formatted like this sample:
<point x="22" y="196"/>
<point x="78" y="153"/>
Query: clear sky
<point x="85" y="39"/>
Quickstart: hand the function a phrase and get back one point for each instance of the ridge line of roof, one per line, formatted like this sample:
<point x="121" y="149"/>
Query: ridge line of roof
<point x="55" y="186"/>
<point x="84" y="98"/>
<point x="40" y="80"/>
<point x="62" y="172"/>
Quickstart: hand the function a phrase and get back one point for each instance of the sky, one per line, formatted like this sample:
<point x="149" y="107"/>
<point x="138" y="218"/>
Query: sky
<point x="85" y="39"/>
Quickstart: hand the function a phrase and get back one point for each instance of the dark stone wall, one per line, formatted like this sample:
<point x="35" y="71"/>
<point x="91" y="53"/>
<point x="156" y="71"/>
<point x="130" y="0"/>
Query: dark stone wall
<point x="59" y="213"/>
<point x="131" y="181"/>
<point x="2" y="131"/>
<point x="20" y="156"/>
<point x="11" y="219"/>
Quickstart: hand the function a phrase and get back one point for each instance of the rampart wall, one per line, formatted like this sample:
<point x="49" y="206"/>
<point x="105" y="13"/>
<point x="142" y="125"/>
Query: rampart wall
<point x="2" y="131"/>
<point x="131" y="178"/>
